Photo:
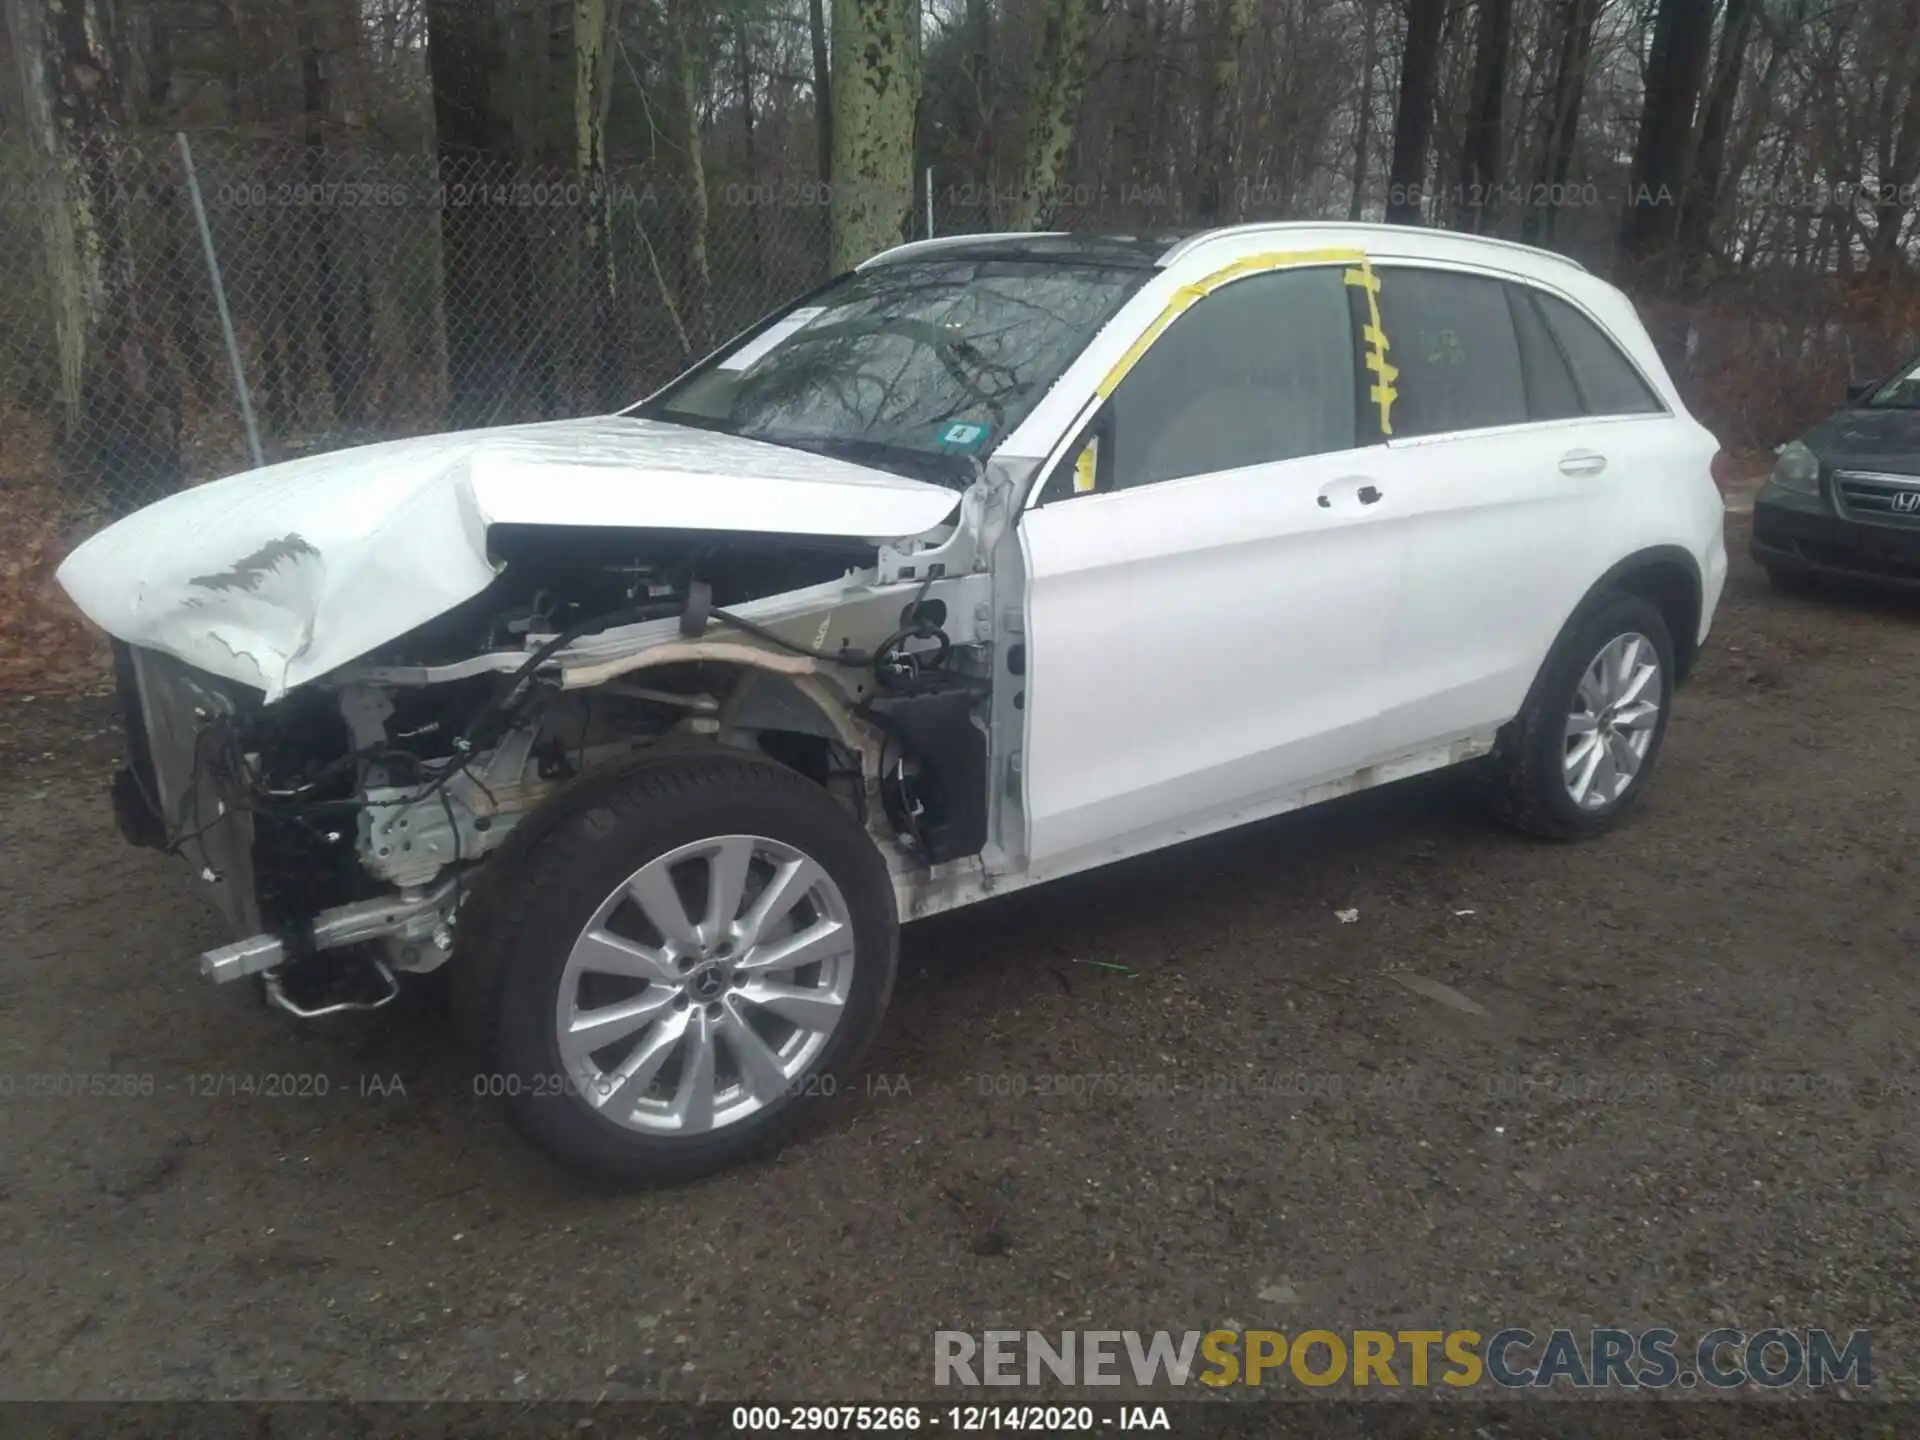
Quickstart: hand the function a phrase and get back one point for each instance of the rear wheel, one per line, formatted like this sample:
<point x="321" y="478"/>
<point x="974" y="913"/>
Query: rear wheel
<point x="1585" y="744"/>
<point x="686" y="962"/>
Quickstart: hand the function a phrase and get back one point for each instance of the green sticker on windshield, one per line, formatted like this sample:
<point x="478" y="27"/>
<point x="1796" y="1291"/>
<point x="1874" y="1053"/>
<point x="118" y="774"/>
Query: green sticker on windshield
<point x="967" y="435"/>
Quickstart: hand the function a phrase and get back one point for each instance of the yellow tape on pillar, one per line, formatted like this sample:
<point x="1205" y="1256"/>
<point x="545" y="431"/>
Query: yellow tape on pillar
<point x="1086" y="471"/>
<point x="1189" y="295"/>
<point x="1375" y="338"/>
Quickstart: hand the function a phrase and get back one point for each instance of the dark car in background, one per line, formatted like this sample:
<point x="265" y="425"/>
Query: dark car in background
<point x="1843" y="501"/>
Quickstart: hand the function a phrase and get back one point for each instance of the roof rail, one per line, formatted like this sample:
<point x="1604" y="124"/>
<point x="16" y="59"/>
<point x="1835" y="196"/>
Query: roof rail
<point x="1193" y="242"/>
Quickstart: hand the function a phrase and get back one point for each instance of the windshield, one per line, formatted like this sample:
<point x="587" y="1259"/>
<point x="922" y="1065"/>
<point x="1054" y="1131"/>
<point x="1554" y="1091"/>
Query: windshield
<point x="1900" y="393"/>
<point x="917" y="367"/>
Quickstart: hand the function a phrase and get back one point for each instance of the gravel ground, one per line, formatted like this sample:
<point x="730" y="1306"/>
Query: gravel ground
<point x="1671" y="1077"/>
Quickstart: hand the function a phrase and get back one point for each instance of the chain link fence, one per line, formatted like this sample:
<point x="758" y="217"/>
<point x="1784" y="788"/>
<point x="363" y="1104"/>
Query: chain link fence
<point x="371" y="296"/>
<point x="376" y="294"/>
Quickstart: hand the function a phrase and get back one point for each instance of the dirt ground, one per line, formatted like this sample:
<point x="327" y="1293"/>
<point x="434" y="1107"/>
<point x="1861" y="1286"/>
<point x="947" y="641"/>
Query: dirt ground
<point x="1684" y="1091"/>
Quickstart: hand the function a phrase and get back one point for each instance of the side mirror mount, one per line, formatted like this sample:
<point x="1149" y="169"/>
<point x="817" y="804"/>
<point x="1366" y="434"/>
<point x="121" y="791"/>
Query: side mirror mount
<point x="1859" y="390"/>
<point x="1086" y="464"/>
<point x="1088" y="467"/>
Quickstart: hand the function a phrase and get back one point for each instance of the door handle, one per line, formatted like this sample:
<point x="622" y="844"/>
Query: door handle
<point x="1582" y="462"/>
<point x="1358" y="487"/>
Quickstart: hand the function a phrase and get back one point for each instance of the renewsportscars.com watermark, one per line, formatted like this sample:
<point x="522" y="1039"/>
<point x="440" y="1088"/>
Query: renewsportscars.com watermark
<point x="1515" y="1359"/>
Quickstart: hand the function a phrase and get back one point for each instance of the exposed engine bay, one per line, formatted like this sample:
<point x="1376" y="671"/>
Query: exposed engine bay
<point x="343" y="825"/>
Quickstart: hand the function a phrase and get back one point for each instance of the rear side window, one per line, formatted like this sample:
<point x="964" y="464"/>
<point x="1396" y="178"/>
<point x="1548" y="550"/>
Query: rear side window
<point x="1609" y="385"/>
<point x="1454" y="343"/>
<point x="1551" y="393"/>
<point x="1259" y="371"/>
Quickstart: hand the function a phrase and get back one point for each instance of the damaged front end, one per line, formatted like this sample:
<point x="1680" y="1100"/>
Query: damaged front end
<point x="267" y="804"/>
<point x="342" y="824"/>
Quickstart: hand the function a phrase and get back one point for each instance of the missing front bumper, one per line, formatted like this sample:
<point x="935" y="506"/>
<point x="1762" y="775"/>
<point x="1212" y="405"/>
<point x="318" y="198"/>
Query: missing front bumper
<point x="176" y="792"/>
<point x="417" y="928"/>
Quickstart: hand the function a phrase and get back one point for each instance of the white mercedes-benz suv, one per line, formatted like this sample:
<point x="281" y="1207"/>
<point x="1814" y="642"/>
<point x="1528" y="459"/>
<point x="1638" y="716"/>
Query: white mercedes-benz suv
<point x="996" y="559"/>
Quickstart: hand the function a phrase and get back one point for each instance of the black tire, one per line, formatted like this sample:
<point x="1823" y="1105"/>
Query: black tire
<point x="542" y="888"/>
<point x="1527" y="783"/>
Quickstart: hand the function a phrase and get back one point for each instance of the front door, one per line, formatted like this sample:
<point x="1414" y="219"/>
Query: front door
<point x="1208" y="598"/>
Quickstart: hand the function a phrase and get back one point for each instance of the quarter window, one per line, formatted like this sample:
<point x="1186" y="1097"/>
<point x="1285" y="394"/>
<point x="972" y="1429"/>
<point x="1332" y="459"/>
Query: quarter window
<point x="1551" y="393"/>
<point x="1261" y="370"/>
<point x="1454" y="343"/>
<point x="1608" y="383"/>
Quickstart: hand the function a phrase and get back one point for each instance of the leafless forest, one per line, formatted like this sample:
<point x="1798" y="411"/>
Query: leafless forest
<point x="450" y="212"/>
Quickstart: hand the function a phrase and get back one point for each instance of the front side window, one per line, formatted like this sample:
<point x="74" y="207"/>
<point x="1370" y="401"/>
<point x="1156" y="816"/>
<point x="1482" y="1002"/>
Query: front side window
<point x="1453" y="339"/>
<point x="919" y="367"/>
<point x="1261" y="370"/>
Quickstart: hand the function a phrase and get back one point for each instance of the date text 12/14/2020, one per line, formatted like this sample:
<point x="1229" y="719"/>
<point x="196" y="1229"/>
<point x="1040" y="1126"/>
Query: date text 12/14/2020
<point x="958" y="1419"/>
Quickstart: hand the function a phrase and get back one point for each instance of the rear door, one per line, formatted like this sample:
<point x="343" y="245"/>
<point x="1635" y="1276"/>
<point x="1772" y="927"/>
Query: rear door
<point x="1211" y="573"/>
<point x="1499" y="478"/>
<point x="1650" y="454"/>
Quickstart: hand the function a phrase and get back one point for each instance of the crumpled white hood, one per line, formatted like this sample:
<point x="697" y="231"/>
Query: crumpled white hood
<point x="281" y="574"/>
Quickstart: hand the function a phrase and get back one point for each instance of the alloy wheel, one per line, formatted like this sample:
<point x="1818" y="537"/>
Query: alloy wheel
<point x="1610" y="729"/>
<point x="706" y="986"/>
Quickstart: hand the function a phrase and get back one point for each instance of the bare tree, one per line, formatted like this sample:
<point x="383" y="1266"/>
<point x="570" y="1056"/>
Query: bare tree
<point x="1782" y="38"/>
<point x="1363" y="120"/>
<point x="980" y="75"/>
<point x="822" y="88"/>
<point x="1565" y="96"/>
<point x="484" y="265"/>
<point x="121" y="420"/>
<point x="340" y="298"/>
<point x="1413" y="115"/>
<point x="1701" y="202"/>
<point x="1220" y="94"/>
<point x="750" y="144"/>
<point x="1139" y="63"/>
<point x="1055" y="84"/>
<point x="1897" y="167"/>
<point x="596" y="35"/>
<point x="876" y="92"/>
<point x="1480" y="156"/>
<point x="1676" y="69"/>
<point x="688" y="92"/>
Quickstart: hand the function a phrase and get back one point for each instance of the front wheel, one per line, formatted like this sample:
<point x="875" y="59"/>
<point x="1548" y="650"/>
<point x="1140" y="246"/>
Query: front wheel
<point x="687" y="961"/>
<point x="1584" y="746"/>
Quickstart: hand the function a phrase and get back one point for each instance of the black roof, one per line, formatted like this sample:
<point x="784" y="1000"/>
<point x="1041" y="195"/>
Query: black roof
<point x="1138" y="251"/>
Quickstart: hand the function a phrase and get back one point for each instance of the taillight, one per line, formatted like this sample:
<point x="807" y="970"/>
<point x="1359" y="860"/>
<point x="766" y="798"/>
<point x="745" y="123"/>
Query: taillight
<point x="1721" y="468"/>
